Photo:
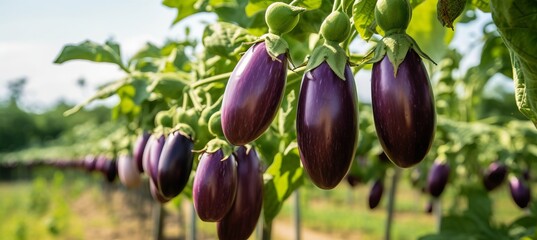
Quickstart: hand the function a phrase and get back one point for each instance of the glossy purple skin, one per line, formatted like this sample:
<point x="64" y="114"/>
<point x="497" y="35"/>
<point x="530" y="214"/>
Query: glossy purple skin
<point x="253" y="94"/>
<point x="215" y="186"/>
<point x="138" y="152"/>
<point x="403" y="109"/>
<point x="154" y="156"/>
<point x="437" y="178"/>
<point x="175" y="164"/>
<point x="146" y="154"/>
<point x="375" y="194"/>
<point x="89" y="163"/>
<point x="327" y="125"/>
<point x="241" y="220"/>
<point x="110" y="170"/>
<point x="494" y="175"/>
<point x="520" y="192"/>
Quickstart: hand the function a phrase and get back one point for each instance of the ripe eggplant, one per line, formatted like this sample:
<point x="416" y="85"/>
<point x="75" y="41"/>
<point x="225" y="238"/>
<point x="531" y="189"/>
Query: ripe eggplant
<point x="215" y="186"/>
<point x="138" y="151"/>
<point x="100" y="162"/>
<point x="240" y="221"/>
<point x="110" y="170"/>
<point x="89" y="163"/>
<point x="128" y="171"/>
<point x="520" y="192"/>
<point x="375" y="195"/>
<point x="175" y="164"/>
<point x="403" y="109"/>
<point x="146" y="154"/>
<point x="154" y="157"/>
<point x="494" y="175"/>
<point x="327" y="125"/>
<point x="438" y="178"/>
<point x="253" y="94"/>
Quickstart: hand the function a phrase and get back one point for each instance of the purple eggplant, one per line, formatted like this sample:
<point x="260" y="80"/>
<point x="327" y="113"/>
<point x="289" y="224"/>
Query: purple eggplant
<point x="146" y="154"/>
<point x="375" y="194"/>
<point x="353" y="180"/>
<point x="520" y="192"/>
<point x="253" y="95"/>
<point x="128" y="172"/>
<point x="110" y="170"/>
<point x="438" y="178"/>
<point x="215" y="186"/>
<point x="89" y="163"/>
<point x="155" y="152"/>
<point x="240" y="221"/>
<point x="403" y="109"/>
<point x="494" y="175"/>
<point x="175" y="164"/>
<point x="100" y="162"/>
<point x="327" y="125"/>
<point x="138" y="151"/>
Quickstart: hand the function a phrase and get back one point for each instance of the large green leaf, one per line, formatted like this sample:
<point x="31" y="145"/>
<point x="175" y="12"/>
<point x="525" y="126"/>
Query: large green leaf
<point x="517" y="24"/>
<point x="483" y="5"/>
<point x="226" y="40"/>
<point x="425" y="28"/>
<point x="88" y="50"/>
<point x="364" y="17"/>
<point x="284" y="176"/>
<point x="184" y="8"/>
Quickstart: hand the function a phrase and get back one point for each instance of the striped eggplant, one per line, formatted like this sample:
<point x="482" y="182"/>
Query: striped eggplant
<point x="215" y="186"/>
<point x="240" y="221"/>
<point x="175" y="164"/>
<point x="403" y="109"/>
<point x="253" y="95"/>
<point x="327" y="125"/>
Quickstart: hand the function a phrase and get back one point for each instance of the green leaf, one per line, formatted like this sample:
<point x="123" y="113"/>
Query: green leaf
<point x="170" y="85"/>
<point x="184" y="8"/>
<point x="483" y="5"/>
<point x="226" y="40"/>
<point x="286" y="176"/>
<point x="88" y="50"/>
<point x="364" y="17"/>
<point x="517" y="24"/>
<point x="425" y="29"/>
<point x="256" y="6"/>
<point x="309" y="4"/>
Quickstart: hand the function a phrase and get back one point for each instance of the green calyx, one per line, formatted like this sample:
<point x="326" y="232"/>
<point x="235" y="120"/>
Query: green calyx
<point x="282" y="18"/>
<point x="396" y="47"/>
<point x="214" y="125"/>
<point x="393" y="15"/>
<point x="275" y="45"/>
<point x="217" y="144"/>
<point x="336" y="27"/>
<point x="333" y="54"/>
<point x="185" y="130"/>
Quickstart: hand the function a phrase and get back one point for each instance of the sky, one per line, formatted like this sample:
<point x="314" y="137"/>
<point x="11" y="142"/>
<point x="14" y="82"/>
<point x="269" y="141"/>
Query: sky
<point x="32" y="34"/>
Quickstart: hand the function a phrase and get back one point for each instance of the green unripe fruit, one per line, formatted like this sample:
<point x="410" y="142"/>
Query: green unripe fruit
<point x="336" y="27"/>
<point x="393" y="14"/>
<point x="215" y="126"/>
<point x="164" y="119"/>
<point x="282" y="18"/>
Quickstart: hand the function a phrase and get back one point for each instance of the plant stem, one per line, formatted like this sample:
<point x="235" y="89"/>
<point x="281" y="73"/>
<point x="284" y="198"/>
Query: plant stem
<point x="391" y="203"/>
<point x="267" y="231"/>
<point x="297" y="214"/>
<point x="437" y="210"/>
<point x="215" y="78"/>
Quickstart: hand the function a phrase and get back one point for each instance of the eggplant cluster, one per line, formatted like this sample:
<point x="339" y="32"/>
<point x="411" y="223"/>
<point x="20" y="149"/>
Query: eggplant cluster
<point x="229" y="191"/>
<point x="403" y="109"/>
<point x="167" y="160"/>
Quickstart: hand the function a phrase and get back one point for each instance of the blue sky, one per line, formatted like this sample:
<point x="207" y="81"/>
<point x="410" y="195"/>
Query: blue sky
<point x="33" y="32"/>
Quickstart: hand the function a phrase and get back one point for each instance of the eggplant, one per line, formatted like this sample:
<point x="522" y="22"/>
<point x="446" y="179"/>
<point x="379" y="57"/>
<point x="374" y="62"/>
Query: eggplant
<point x="253" y="95"/>
<point x="215" y="186"/>
<point x="145" y="156"/>
<point x="403" y="109"/>
<point x="138" y="151"/>
<point x="438" y="178"/>
<point x="155" y="152"/>
<point x="520" y="192"/>
<point x="327" y="125"/>
<point x="375" y="194"/>
<point x="100" y="162"/>
<point x="494" y="175"/>
<point x="353" y="180"/>
<point x="110" y="170"/>
<point x="240" y="221"/>
<point x="89" y="163"/>
<point x="175" y="164"/>
<point x="128" y="172"/>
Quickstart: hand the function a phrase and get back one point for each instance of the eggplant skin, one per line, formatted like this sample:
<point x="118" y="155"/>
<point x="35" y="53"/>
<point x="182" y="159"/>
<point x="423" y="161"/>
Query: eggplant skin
<point x="253" y="95"/>
<point x="110" y="170"/>
<point x="175" y="164"/>
<point x="138" y="151"/>
<point x="520" y="192"/>
<point x="215" y="186"/>
<point x="154" y="157"/>
<point x="494" y="175"/>
<point x="240" y="221"/>
<point x="438" y="178"/>
<point x="128" y="172"/>
<point x="403" y="109"/>
<point x="155" y="193"/>
<point x="327" y="125"/>
<point x="375" y="194"/>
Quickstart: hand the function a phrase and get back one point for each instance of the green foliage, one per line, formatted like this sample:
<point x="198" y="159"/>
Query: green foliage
<point x="87" y="50"/>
